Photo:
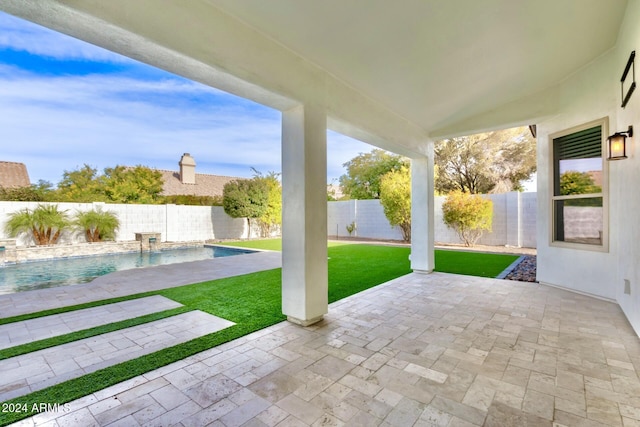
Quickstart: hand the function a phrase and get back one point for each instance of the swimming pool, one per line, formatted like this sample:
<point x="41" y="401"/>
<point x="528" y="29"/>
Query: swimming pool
<point x="70" y="271"/>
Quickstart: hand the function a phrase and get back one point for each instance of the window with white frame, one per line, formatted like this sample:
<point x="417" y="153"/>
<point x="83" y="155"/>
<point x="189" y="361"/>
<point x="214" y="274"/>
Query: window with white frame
<point x="579" y="202"/>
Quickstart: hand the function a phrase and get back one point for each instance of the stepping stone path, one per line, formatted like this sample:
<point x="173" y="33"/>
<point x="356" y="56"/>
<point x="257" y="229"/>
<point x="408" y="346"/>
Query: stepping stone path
<point x="13" y="334"/>
<point x="27" y="373"/>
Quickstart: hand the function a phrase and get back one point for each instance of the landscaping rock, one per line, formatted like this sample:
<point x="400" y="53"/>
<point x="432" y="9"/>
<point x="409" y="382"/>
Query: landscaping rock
<point x="525" y="271"/>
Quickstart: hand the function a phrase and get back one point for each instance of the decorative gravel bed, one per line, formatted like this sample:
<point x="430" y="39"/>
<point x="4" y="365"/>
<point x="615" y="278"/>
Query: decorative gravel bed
<point x="525" y="271"/>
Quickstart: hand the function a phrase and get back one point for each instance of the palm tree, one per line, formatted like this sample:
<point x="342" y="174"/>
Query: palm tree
<point x="97" y="225"/>
<point x="45" y="223"/>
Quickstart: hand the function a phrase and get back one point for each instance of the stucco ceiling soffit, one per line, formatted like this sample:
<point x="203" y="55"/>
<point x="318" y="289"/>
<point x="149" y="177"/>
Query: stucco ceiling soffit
<point x="430" y="60"/>
<point x="522" y="112"/>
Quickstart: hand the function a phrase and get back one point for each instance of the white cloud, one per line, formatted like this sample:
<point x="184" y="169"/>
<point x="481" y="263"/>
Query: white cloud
<point x="54" y="123"/>
<point x="57" y="123"/>
<point x="17" y="34"/>
<point x="109" y="121"/>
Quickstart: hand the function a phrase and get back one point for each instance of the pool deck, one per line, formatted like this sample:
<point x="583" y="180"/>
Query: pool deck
<point x="128" y="282"/>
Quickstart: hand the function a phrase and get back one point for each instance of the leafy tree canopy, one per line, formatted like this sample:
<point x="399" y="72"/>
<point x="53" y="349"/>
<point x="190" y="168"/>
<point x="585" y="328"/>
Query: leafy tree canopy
<point x="574" y="182"/>
<point x="395" y="197"/>
<point x="81" y="185"/>
<point x="362" y="180"/>
<point x="486" y="162"/>
<point x="246" y="198"/>
<point x="40" y="192"/>
<point x="139" y="184"/>
<point x="119" y="184"/>
<point x="271" y="219"/>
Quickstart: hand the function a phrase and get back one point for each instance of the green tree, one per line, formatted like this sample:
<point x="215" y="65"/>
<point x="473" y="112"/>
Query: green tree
<point x="245" y="198"/>
<point x="119" y="184"/>
<point x="45" y="223"/>
<point x="40" y="192"/>
<point x="272" y="217"/>
<point x="364" y="171"/>
<point x="82" y="185"/>
<point x="139" y="184"/>
<point x="468" y="214"/>
<point x="487" y="162"/>
<point x="395" y="197"/>
<point x="574" y="182"/>
<point x="97" y="225"/>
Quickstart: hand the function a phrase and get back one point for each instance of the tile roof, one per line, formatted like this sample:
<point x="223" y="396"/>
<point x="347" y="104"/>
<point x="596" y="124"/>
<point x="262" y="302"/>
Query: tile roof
<point x="13" y="175"/>
<point x="206" y="185"/>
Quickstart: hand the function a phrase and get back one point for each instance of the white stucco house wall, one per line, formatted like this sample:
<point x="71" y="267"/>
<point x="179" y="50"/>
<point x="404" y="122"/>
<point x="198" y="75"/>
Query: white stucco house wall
<point x="400" y="75"/>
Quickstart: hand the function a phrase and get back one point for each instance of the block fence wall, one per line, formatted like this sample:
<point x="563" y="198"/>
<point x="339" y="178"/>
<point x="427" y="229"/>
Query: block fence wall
<point x="176" y="223"/>
<point x="514" y="221"/>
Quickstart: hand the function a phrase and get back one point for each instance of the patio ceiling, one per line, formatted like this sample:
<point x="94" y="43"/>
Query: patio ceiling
<point x="443" y="64"/>
<point x="399" y="71"/>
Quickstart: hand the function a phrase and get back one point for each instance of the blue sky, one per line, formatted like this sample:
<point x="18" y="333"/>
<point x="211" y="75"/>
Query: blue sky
<point x="64" y="103"/>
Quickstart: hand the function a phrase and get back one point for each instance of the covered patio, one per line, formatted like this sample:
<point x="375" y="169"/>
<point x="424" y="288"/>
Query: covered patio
<point x="424" y="350"/>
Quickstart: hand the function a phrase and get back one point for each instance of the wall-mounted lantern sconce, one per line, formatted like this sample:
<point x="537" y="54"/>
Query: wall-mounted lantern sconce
<point x="618" y="144"/>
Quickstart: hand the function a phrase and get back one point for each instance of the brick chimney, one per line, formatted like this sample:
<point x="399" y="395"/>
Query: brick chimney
<point x="187" y="169"/>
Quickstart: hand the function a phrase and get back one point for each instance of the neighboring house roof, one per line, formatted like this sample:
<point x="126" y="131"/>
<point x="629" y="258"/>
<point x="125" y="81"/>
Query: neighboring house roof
<point x="13" y="175"/>
<point x="206" y="185"/>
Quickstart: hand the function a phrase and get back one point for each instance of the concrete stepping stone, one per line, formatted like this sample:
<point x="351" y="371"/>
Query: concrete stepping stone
<point x="27" y="373"/>
<point x="17" y="333"/>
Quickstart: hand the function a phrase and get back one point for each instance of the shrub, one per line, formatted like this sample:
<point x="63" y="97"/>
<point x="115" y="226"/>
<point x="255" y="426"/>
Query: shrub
<point x="45" y="223"/>
<point x="468" y="214"/>
<point x="351" y="228"/>
<point x="395" y="197"/>
<point x="97" y="225"/>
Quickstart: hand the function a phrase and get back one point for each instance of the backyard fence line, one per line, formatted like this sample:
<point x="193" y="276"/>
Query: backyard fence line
<point x="514" y="221"/>
<point x="175" y="223"/>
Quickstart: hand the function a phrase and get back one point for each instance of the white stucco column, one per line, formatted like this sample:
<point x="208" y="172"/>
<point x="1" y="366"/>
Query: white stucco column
<point x="304" y="214"/>
<point x="422" y="230"/>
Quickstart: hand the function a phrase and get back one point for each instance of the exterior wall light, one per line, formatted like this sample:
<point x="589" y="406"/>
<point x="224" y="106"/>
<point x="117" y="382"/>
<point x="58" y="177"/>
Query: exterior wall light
<point x="618" y="144"/>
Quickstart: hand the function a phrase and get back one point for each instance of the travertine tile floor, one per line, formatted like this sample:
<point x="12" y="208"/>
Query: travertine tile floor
<point x="423" y="350"/>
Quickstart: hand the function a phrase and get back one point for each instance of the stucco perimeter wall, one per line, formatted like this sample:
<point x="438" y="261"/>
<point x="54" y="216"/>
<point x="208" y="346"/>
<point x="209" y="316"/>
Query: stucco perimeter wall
<point x="176" y="223"/>
<point x="368" y="215"/>
<point x="514" y="221"/>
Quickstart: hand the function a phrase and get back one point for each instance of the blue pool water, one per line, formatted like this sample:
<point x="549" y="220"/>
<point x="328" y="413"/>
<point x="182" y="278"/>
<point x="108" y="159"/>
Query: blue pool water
<point x="70" y="271"/>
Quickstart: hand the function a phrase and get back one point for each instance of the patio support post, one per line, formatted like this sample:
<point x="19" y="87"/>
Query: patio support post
<point x="304" y="214"/>
<point x="422" y="230"/>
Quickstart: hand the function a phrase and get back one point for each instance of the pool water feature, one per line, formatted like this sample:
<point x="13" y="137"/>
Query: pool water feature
<point x="71" y="271"/>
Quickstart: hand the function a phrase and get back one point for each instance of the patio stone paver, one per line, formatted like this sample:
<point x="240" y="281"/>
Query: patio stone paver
<point x="16" y="333"/>
<point x="129" y="282"/>
<point x="40" y="369"/>
<point x="422" y="350"/>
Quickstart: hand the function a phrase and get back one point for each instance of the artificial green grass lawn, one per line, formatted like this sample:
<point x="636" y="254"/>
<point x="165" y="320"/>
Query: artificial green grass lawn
<point x="472" y="263"/>
<point x="252" y="301"/>
<point x="447" y="261"/>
